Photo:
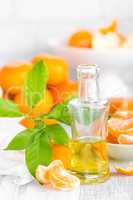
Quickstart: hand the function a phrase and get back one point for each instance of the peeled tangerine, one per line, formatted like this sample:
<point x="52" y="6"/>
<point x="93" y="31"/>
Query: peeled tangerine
<point x="118" y="127"/>
<point x="125" y="171"/>
<point x="56" y="176"/>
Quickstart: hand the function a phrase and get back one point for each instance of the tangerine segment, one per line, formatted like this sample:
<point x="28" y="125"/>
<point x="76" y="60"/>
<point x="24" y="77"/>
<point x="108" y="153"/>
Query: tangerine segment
<point x="81" y="39"/>
<point x="41" y="174"/>
<point x="111" y="28"/>
<point x="115" y="104"/>
<point x="56" y="176"/>
<point x="59" y="178"/>
<point x="117" y="126"/>
<point x="124" y="114"/>
<point x="111" y="139"/>
<point x="125" y="171"/>
<point x="57" y="68"/>
<point x="120" y="124"/>
<point x="125" y="139"/>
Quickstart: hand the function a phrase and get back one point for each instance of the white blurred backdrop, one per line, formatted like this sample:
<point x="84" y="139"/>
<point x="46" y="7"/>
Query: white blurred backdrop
<point x="26" y="24"/>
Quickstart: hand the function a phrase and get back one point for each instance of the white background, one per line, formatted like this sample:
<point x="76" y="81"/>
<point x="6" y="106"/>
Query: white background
<point x="26" y="24"/>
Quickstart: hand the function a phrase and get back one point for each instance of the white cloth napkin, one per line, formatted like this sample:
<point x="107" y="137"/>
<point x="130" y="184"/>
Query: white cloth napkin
<point x="12" y="163"/>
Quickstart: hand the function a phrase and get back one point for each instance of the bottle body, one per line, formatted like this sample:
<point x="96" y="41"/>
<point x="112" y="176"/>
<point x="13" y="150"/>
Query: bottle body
<point x="89" y="158"/>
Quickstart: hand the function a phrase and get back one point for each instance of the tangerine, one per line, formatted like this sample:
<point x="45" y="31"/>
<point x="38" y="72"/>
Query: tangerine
<point x="63" y="153"/>
<point x="81" y="39"/>
<point x="62" y="91"/>
<point x="57" y="68"/>
<point x="43" y="107"/>
<point x="12" y="76"/>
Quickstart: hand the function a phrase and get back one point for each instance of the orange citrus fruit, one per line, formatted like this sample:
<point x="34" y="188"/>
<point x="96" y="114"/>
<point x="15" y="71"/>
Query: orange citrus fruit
<point x="111" y="138"/>
<point x="117" y="126"/>
<point x="60" y="179"/>
<point x="125" y="171"/>
<point x="57" y="68"/>
<point x="124" y="114"/>
<point x="43" y="107"/>
<point x="63" y="153"/>
<point x="120" y="124"/>
<point x="21" y="102"/>
<point x="29" y="123"/>
<point x="81" y="38"/>
<point x="50" y="121"/>
<point x="128" y="104"/>
<point x="115" y="104"/>
<point x="56" y="176"/>
<point x="119" y="103"/>
<point x="41" y="174"/>
<point x="111" y="28"/>
<point x="13" y="75"/>
<point x="62" y="91"/>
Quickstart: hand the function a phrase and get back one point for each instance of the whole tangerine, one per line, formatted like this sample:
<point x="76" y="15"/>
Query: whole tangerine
<point x="57" y="68"/>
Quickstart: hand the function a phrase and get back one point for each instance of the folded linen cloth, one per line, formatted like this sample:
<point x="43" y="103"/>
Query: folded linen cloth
<point x="12" y="163"/>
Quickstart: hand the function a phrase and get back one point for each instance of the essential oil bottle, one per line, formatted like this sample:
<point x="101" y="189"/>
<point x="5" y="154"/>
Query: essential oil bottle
<point x="89" y="114"/>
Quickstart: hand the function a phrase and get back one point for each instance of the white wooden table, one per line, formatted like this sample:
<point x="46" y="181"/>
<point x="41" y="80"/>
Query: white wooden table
<point x="116" y="188"/>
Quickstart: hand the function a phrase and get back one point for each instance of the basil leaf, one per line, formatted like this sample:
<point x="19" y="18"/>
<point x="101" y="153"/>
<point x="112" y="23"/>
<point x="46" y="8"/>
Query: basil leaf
<point x="39" y="152"/>
<point x="9" y="109"/>
<point x="35" y="84"/>
<point x="20" y="141"/>
<point x="57" y="133"/>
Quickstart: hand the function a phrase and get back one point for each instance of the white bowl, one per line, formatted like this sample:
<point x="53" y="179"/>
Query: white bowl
<point x="120" y="152"/>
<point x="118" y="61"/>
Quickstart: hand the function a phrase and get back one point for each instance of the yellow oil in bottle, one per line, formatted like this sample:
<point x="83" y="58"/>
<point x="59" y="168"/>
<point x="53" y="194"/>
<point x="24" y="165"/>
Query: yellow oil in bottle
<point x="89" y="159"/>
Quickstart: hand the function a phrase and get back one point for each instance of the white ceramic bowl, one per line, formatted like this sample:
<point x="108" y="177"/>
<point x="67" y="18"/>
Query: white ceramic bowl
<point x="118" y="61"/>
<point x="120" y="152"/>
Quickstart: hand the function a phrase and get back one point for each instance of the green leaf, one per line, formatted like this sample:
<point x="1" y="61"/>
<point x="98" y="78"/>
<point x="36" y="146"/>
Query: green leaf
<point x="57" y="133"/>
<point x="39" y="152"/>
<point x="9" y="109"/>
<point x="60" y="112"/>
<point x="20" y="141"/>
<point x="35" y="84"/>
<point x="25" y="138"/>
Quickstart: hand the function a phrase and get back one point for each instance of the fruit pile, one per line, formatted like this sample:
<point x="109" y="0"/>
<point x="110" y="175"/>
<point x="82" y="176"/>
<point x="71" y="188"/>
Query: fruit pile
<point x="59" y="86"/>
<point x="39" y="91"/>
<point x="105" y="38"/>
<point x="120" y="124"/>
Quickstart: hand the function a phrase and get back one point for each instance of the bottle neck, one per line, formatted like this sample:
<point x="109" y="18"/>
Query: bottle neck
<point x="88" y="85"/>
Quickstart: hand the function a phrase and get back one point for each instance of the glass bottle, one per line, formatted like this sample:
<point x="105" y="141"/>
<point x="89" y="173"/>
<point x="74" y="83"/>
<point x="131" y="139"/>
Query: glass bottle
<point x="89" y="114"/>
